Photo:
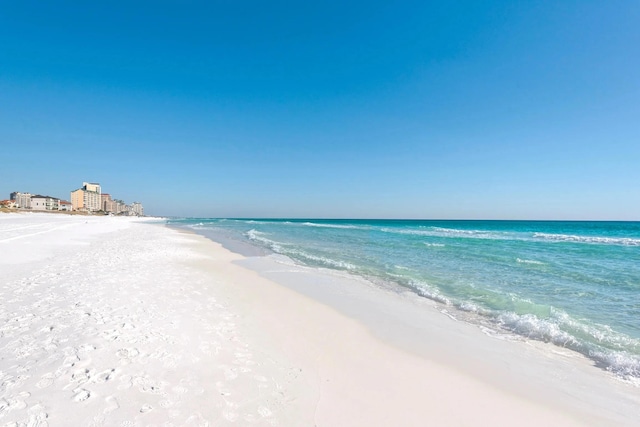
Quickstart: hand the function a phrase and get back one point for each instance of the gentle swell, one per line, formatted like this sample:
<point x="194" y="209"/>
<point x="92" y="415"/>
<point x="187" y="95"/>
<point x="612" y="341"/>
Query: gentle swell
<point x="624" y="241"/>
<point x="351" y="227"/>
<point x="450" y="233"/>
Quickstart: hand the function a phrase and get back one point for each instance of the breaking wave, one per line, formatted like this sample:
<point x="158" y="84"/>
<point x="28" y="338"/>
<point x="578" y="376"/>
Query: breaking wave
<point x="339" y="226"/>
<point x="624" y="241"/>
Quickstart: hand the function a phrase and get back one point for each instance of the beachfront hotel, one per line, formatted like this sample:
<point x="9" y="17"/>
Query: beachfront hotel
<point x="87" y="198"/>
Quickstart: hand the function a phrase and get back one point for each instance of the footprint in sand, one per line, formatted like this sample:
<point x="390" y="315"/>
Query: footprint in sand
<point x="147" y="385"/>
<point x="145" y="409"/>
<point x="81" y="395"/>
<point x="16" y="404"/>
<point x="111" y="404"/>
<point x="86" y="348"/>
<point x="38" y="420"/>
<point x="81" y="376"/>
<point x="70" y="361"/>
<point x="45" y="381"/>
<point x="126" y="354"/>
<point x="166" y="403"/>
<point x="4" y="407"/>
<point x="103" y="376"/>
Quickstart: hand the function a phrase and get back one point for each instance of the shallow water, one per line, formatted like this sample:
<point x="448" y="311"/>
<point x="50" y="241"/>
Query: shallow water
<point x="575" y="284"/>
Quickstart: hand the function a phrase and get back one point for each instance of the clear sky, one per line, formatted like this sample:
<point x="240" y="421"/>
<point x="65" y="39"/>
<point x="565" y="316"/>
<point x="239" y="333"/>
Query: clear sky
<point x="410" y="109"/>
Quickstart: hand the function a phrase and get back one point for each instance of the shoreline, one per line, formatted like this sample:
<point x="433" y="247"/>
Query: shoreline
<point x="121" y="320"/>
<point x="554" y="378"/>
<point x="413" y="296"/>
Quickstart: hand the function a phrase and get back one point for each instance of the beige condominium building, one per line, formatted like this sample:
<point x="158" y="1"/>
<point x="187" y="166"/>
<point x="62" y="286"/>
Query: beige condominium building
<point x="87" y="198"/>
<point x="108" y="204"/>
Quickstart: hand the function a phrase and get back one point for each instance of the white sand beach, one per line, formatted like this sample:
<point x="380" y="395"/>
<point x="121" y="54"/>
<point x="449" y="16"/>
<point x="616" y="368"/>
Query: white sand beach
<point x="108" y="321"/>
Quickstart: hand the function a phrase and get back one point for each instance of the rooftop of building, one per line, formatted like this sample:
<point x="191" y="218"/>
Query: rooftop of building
<point x="39" y="196"/>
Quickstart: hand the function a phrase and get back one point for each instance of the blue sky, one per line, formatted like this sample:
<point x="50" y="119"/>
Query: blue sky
<point x="467" y="109"/>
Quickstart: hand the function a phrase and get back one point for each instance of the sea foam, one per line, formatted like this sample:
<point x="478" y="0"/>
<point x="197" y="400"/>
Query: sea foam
<point x="625" y="241"/>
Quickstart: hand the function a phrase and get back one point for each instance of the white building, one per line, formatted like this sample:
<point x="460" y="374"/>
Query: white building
<point x="63" y="205"/>
<point x="137" y="209"/>
<point x="23" y="200"/>
<point x="44" y="203"/>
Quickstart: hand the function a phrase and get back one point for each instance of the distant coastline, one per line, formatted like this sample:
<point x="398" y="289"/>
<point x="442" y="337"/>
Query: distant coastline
<point x="24" y="211"/>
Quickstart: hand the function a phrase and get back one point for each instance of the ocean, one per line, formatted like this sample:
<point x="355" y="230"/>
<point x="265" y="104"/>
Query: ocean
<point x="574" y="284"/>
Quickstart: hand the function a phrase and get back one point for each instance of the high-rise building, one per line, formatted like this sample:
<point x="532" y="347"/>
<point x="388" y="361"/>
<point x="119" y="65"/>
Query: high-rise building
<point x="108" y="205"/>
<point x="137" y="209"/>
<point x="87" y="198"/>
<point x="23" y="200"/>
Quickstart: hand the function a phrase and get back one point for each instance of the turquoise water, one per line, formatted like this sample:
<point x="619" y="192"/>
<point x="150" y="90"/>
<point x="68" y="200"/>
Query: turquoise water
<point x="573" y="284"/>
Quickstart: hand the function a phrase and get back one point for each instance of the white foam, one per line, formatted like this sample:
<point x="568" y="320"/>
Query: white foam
<point x="624" y="241"/>
<point x="338" y="226"/>
<point x="323" y="260"/>
<point x="449" y="233"/>
<point x="258" y="236"/>
<point x="429" y="291"/>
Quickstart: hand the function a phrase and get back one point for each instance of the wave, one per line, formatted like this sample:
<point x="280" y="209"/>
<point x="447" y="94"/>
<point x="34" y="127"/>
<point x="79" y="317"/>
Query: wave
<point x="624" y="241"/>
<point x="258" y="236"/>
<point x="428" y="291"/>
<point x="450" y="233"/>
<point x="434" y="245"/>
<point x="340" y="226"/>
<point x="198" y="225"/>
<point x="410" y="232"/>
<point x="320" y="259"/>
<point x="608" y="349"/>
<point x="496" y="235"/>
<point x="459" y="231"/>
